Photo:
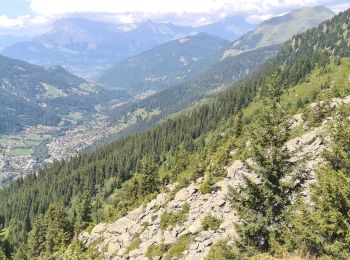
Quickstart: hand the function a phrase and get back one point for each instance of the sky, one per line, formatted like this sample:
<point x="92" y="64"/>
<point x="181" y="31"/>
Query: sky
<point x="29" y="17"/>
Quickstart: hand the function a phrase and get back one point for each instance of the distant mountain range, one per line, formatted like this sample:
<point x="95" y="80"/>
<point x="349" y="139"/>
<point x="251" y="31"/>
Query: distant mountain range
<point x="207" y="60"/>
<point x="182" y="71"/>
<point x="227" y="68"/>
<point x="87" y="47"/>
<point x="166" y="65"/>
<point x="7" y="40"/>
<point x="32" y="95"/>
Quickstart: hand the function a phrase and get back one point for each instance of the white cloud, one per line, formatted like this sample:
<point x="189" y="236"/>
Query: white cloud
<point x="6" y="22"/>
<point x="182" y="12"/>
<point x="200" y="11"/>
<point x="59" y="7"/>
<point x="21" y="21"/>
<point x="52" y="7"/>
<point x="25" y="25"/>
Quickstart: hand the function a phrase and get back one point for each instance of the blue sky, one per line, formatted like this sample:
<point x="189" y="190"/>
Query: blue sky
<point x="15" y="8"/>
<point x="35" y="16"/>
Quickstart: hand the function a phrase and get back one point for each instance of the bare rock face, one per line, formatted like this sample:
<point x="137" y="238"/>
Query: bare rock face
<point x="112" y="240"/>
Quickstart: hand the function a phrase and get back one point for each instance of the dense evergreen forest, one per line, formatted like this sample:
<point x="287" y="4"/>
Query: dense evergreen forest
<point x="42" y="214"/>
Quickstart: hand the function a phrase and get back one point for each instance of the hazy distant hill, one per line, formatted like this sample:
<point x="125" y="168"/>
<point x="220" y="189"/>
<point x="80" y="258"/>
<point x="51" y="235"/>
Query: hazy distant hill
<point x="167" y="64"/>
<point x="87" y="47"/>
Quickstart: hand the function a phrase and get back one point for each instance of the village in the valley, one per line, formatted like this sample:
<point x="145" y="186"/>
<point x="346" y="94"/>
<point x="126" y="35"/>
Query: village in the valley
<point x="23" y="153"/>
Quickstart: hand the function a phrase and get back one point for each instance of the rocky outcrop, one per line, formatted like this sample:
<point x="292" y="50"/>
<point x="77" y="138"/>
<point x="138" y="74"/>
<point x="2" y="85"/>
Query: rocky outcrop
<point x="111" y="241"/>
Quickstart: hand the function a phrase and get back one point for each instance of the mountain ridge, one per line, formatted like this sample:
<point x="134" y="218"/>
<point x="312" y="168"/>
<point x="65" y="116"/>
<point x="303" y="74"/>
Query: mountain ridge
<point x="278" y="29"/>
<point x="165" y="65"/>
<point x="90" y="53"/>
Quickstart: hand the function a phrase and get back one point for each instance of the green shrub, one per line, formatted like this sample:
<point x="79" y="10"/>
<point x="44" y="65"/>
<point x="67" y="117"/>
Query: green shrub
<point x="156" y="250"/>
<point x="144" y="226"/>
<point x="210" y="222"/>
<point x="316" y="114"/>
<point x="170" y="219"/>
<point x="172" y="251"/>
<point x="135" y="242"/>
<point x="206" y="187"/>
<point x="176" y="249"/>
<point x="221" y="251"/>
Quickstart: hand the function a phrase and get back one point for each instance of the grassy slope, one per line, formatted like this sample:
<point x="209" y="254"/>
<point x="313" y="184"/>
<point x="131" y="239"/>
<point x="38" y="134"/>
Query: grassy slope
<point x="338" y="75"/>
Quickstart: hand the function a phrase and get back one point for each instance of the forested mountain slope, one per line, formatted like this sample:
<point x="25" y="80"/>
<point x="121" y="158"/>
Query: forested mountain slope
<point x="107" y="183"/>
<point x="32" y="95"/>
<point x="166" y="65"/>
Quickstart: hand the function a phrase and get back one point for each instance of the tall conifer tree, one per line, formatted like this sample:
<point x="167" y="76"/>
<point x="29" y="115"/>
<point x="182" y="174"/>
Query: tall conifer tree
<point x="262" y="203"/>
<point x="325" y="226"/>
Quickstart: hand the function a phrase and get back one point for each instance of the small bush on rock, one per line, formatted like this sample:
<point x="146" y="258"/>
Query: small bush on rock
<point x="170" y="219"/>
<point x="210" y="222"/>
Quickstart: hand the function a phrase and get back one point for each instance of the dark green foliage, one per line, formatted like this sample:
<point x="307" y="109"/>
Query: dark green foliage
<point x="50" y="234"/>
<point x="300" y="103"/>
<point x="324" y="228"/>
<point x="83" y="214"/>
<point x="108" y="167"/>
<point x="262" y="204"/>
<point x="238" y="124"/>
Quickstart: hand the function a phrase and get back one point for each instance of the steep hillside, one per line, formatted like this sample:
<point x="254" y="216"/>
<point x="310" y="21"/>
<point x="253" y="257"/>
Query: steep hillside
<point x="86" y="47"/>
<point x="34" y="95"/>
<point x="166" y="65"/>
<point x="242" y="123"/>
<point x="190" y="222"/>
<point x="279" y="29"/>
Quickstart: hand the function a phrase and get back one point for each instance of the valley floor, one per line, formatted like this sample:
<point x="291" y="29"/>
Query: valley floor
<point x="22" y="153"/>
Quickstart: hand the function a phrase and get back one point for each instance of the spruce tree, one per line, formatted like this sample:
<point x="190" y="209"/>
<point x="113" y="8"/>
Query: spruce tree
<point x="325" y="227"/>
<point x="263" y="203"/>
<point x="36" y="239"/>
<point x="148" y="177"/>
<point x="57" y="228"/>
<point x="238" y="124"/>
<point x="83" y="213"/>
